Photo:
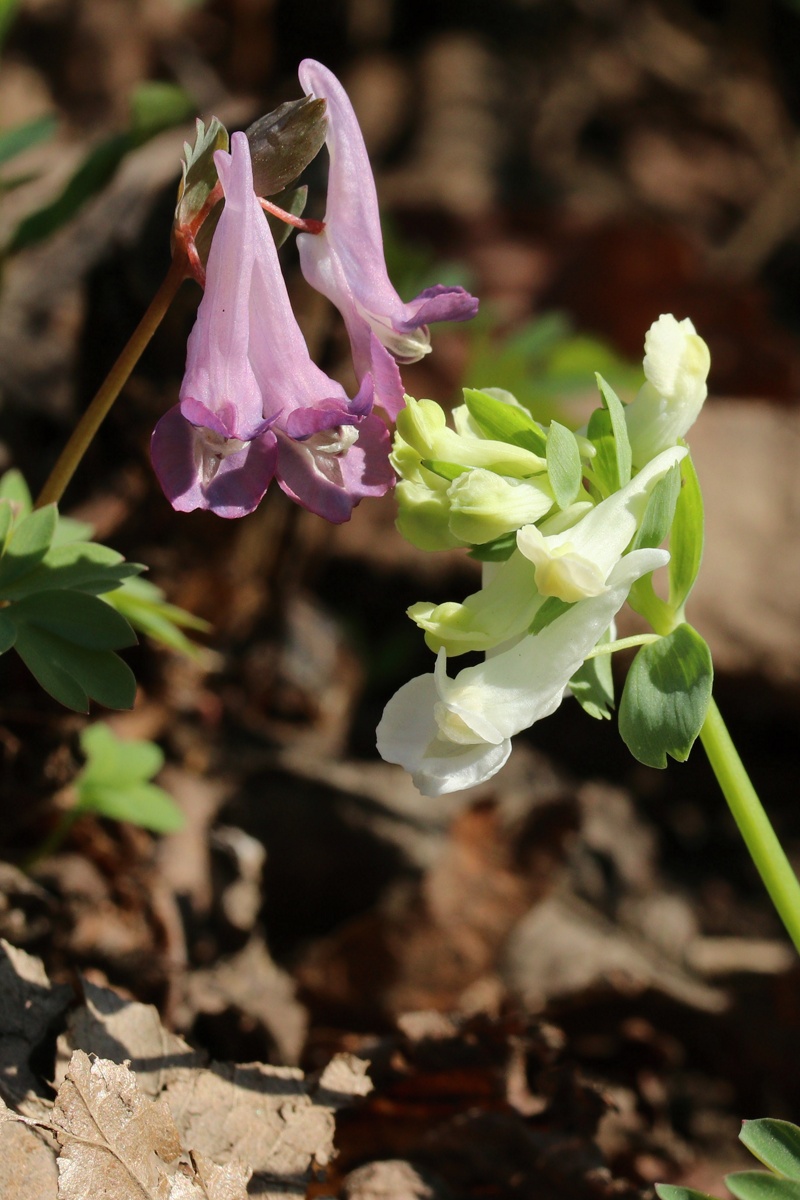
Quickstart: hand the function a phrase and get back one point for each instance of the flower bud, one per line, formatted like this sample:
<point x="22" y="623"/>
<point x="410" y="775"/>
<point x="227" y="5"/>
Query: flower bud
<point x="676" y="364"/>
<point x="483" y="505"/>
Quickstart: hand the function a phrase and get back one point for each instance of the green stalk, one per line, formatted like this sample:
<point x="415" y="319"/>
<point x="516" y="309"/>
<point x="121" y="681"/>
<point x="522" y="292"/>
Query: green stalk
<point x="92" y="419"/>
<point x="765" y="850"/>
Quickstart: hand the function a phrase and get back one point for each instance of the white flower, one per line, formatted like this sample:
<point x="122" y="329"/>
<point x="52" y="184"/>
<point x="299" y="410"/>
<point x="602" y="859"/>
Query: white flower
<point x="454" y="733"/>
<point x="577" y="563"/>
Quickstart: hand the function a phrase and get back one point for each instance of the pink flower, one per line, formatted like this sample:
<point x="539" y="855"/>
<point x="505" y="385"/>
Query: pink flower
<point x="346" y="262"/>
<point x="252" y="404"/>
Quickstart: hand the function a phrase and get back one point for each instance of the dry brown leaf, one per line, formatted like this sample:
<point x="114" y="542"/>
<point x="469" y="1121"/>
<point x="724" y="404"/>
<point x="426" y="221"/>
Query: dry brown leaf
<point x="113" y="1027"/>
<point x="263" y="1116"/>
<point x="27" y="1164"/>
<point x="114" y="1141"/>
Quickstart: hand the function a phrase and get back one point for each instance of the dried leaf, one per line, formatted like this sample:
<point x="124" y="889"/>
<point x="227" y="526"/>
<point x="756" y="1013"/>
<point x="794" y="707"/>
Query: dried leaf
<point x="263" y="1116"/>
<point x="114" y="1141"/>
<point x="113" y="1027"/>
<point x="27" y="1164"/>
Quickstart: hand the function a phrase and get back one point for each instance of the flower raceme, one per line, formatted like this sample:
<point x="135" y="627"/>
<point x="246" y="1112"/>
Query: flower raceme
<point x="562" y="548"/>
<point x="253" y="405"/>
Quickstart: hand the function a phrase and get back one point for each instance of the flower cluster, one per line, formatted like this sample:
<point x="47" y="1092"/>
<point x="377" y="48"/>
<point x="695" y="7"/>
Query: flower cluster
<point x="566" y="524"/>
<point x="253" y="405"/>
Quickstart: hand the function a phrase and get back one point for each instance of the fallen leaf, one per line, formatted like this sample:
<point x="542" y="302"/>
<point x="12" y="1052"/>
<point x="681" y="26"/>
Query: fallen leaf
<point x="114" y="1141"/>
<point x="27" y="1164"/>
<point x="111" y="1026"/>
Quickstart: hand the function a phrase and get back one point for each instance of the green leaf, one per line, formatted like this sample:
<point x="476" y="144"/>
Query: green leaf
<point x="14" y="488"/>
<point x="672" y="1191"/>
<point x="74" y="674"/>
<point x="110" y="758"/>
<point x="504" y="422"/>
<point x="619" y="429"/>
<point x="76" y="617"/>
<point x="8" y="633"/>
<point x="775" y="1143"/>
<point x="659" y="514"/>
<point x="686" y="538"/>
<point x="666" y="697"/>
<point x="114" y="783"/>
<point x="497" y="550"/>
<point x="144" y="607"/>
<point x="91" y="176"/>
<point x="76" y="566"/>
<point x="29" y="543"/>
<point x="15" y="141"/>
<point x="156" y="105"/>
<point x="142" y="804"/>
<point x="592" y="685"/>
<point x="760" y="1185"/>
<point x="8" y="10"/>
<point x="563" y="464"/>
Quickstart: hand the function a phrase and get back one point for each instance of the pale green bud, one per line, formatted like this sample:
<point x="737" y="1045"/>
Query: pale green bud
<point x="423" y="516"/>
<point x="423" y="426"/>
<point x="483" y="505"/>
<point x="502" y="610"/>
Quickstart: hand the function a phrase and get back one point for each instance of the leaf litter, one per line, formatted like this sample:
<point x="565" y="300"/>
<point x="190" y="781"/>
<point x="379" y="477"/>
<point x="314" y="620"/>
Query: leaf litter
<point x="139" y="1115"/>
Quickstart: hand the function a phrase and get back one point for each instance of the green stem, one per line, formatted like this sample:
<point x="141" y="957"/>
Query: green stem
<point x="766" y="851"/>
<point x="116" y="379"/>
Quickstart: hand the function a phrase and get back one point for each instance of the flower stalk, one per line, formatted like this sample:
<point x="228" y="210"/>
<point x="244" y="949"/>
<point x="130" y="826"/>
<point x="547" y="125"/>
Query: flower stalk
<point x="753" y="823"/>
<point x="86" y="429"/>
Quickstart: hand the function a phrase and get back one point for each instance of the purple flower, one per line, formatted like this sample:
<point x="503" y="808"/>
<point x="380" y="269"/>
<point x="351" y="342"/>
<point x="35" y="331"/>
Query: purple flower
<point x="346" y="262"/>
<point x="252" y="403"/>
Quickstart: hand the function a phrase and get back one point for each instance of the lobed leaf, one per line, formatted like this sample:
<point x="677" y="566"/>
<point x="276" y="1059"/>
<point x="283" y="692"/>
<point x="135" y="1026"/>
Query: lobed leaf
<point x="672" y="1191"/>
<point x="666" y="697"/>
<point x="75" y="674"/>
<point x="29" y="542"/>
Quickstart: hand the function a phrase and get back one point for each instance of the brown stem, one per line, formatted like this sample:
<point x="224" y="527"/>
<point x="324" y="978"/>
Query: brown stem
<point x="116" y="379"/>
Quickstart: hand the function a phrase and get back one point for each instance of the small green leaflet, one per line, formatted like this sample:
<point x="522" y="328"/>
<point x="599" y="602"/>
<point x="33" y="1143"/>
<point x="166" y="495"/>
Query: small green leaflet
<point x="115" y="782"/>
<point x="666" y="697"/>
<point x="671" y="1191"/>
<point x="563" y="464"/>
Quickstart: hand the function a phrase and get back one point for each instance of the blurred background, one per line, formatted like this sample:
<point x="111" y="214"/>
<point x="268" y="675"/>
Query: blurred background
<point x="582" y="166"/>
